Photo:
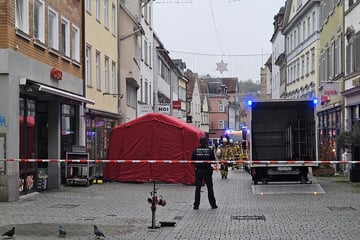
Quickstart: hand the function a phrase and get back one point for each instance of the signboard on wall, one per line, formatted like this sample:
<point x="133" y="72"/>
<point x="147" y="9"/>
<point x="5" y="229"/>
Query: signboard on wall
<point x="164" y="108"/>
<point x="144" y="109"/>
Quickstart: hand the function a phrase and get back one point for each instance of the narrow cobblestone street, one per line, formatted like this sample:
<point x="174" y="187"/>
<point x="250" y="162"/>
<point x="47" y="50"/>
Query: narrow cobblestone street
<point x="121" y="211"/>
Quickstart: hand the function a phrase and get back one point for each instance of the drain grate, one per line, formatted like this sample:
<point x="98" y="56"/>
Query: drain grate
<point x="178" y="217"/>
<point x="342" y="209"/>
<point x="64" y="206"/>
<point x="248" y="218"/>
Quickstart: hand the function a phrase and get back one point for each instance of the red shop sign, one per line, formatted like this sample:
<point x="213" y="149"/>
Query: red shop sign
<point x="56" y="74"/>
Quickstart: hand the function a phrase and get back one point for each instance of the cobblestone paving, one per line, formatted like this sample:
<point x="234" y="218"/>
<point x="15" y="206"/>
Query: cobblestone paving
<point x="121" y="211"/>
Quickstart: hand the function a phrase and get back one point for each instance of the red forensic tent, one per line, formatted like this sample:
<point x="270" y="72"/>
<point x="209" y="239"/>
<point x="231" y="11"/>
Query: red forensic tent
<point x="154" y="136"/>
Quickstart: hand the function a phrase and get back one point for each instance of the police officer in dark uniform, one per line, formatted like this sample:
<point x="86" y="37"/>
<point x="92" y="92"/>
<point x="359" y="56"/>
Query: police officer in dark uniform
<point x="203" y="172"/>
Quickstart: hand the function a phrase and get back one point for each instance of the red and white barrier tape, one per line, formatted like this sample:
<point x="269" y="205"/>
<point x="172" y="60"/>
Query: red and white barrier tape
<point x="173" y="161"/>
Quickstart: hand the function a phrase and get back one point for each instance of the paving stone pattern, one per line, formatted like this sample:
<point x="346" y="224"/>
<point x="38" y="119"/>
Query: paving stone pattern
<point x="121" y="211"/>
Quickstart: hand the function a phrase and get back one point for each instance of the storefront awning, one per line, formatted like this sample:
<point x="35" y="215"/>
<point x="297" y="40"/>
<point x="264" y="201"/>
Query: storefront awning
<point x="64" y="94"/>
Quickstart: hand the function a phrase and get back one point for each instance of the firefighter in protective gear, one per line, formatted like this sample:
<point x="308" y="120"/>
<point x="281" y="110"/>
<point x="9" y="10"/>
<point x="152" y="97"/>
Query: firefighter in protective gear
<point x="226" y="155"/>
<point x="235" y="148"/>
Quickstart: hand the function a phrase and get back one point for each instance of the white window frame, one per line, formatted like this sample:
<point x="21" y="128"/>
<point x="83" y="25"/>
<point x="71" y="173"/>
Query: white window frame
<point x="150" y="55"/>
<point x="98" y="69"/>
<point x="39" y="21"/>
<point x="146" y="87"/>
<point x="88" y="6"/>
<point x="113" y="77"/>
<point x="221" y="106"/>
<point x="75" y="43"/>
<point x="53" y="29"/>
<point x="221" y="124"/>
<point x="22" y="15"/>
<point x="113" y="19"/>
<point x="107" y="74"/>
<point x="106" y="13"/>
<point x="88" y="71"/>
<point x="98" y="10"/>
<point x="65" y="37"/>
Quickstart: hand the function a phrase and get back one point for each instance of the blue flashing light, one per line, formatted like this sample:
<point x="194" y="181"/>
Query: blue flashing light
<point x="315" y="101"/>
<point x="249" y="103"/>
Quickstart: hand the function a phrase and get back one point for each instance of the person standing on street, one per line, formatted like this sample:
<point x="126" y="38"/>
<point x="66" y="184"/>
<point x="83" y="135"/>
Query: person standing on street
<point x="203" y="172"/>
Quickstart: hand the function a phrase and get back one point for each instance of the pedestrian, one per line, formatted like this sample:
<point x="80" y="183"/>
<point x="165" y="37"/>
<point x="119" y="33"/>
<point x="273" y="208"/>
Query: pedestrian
<point x="203" y="172"/>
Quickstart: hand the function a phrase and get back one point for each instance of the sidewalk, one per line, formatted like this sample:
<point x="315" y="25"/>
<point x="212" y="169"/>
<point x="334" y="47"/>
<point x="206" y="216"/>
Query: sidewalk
<point x="121" y="211"/>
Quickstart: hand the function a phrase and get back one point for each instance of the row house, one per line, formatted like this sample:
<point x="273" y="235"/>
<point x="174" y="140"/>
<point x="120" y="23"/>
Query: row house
<point x="41" y="90"/>
<point x="70" y="73"/>
<point x="223" y="105"/>
<point x="301" y="30"/>
<point x="351" y="91"/>
<point x="315" y="53"/>
<point x="101" y="74"/>
<point x="193" y="99"/>
<point x="331" y="73"/>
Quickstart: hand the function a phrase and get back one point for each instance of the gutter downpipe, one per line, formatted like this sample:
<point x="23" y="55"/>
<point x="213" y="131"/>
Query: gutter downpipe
<point x="118" y="60"/>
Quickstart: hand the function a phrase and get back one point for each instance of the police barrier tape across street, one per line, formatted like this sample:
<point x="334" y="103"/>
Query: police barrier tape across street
<point x="175" y="161"/>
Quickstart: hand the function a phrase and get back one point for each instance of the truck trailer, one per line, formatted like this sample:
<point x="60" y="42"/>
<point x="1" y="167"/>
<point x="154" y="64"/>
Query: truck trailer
<point x="282" y="140"/>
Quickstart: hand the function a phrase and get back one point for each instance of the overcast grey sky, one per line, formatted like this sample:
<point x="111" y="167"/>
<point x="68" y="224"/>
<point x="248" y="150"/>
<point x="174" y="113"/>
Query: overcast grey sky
<point x="204" y="32"/>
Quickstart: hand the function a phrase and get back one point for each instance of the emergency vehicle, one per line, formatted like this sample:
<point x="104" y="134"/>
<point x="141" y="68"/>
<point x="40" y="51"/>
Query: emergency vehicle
<point x="282" y="140"/>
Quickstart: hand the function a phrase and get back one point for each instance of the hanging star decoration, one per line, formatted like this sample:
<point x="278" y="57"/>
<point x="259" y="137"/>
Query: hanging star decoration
<point x="221" y="66"/>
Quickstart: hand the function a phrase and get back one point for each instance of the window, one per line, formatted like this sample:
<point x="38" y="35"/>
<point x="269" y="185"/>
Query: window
<point x="141" y="90"/>
<point x="98" y="10"/>
<point x="53" y="29"/>
<point x="39" y="20"/>
<point x="88" y="5"/>
<point x="146" y="92"/>
<point x="22" y="15"/>
<point x="113" y="19"/>
<point x="65" y="37"/>
<point x="131" y="95"/>
<point x="88" y="66"/>
<point x="221" y="106"/>
<point x="145" y="51"/>
<point x="338" y="62"/>
<point x="113" y="77"/>
<point x="107" y="73"/>
<point x="313" y="21"/>
<point x="307" y="62"/>
<point x="312" y="59"/>
<point x="150" y="56"/>
<point x="221" y="124"/>
<point x="98" y="68"/>
<point x="332" y="60"/>
<point x="75" y="43"/>
<point x="302" y="66"/>
<point x="106" y="13"/>
<point x="304" y="30"/>
<point x="308" y="26"/>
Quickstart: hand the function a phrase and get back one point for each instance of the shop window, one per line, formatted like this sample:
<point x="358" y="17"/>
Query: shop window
<point x="67" y="128"/>
<point x="27" y="144"/>
<point x="98" y="132"/>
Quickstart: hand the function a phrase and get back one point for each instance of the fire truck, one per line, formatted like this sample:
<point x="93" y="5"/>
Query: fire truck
<point x="282" y="140"/>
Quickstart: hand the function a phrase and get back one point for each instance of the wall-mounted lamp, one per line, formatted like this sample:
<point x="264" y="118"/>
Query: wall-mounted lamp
<point x="114" y="94"/>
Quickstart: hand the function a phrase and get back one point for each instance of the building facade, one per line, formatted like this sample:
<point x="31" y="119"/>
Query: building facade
<point x="301" y="30"/>
<point x="101" y="74"/>
<point x="331" y="72"/>
<point x="42" y="91"/>
<point x="351" y="91"/>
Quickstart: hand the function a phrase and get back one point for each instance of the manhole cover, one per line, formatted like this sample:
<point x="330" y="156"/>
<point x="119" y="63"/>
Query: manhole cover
<point x="342" y="209"/>
<point x="64" y="206"/>
<point x="248" y="218"/>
